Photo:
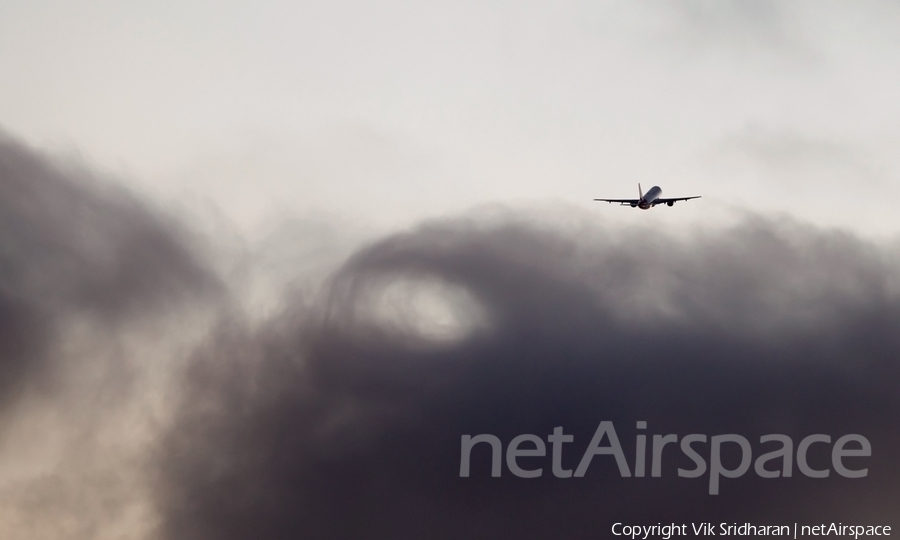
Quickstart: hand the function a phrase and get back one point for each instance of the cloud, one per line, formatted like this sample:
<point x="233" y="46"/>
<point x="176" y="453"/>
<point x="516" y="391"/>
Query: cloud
<point x="342" y="414"/>
<point x="805" y="175"/>
<point x="91" y="277"/>
<point x="761" y="23"/>
<point x="729" y="30"/>
<point x="71" y="246"/>
<point x="796" y="157"/>
<point x="338" y="420"/>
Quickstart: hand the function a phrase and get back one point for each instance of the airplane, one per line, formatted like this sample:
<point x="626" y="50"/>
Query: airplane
<point x="648" y="201"/>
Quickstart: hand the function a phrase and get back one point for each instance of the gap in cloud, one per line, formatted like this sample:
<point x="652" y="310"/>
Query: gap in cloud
<point x="422" y="308"/>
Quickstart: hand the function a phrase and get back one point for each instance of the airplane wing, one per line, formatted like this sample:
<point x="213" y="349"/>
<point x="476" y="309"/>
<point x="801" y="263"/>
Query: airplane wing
<point x="631" y="202"/>
<point x="673" y="200"/>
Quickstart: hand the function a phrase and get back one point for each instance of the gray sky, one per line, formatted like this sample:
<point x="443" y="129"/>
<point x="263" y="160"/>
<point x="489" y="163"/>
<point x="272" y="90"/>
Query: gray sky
<point x="251" y="358"/>
<point x="395" y="111"/>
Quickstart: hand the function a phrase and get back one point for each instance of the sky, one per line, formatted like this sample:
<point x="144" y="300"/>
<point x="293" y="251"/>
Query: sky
<point x="391" y="112"/>
<point x="263" y="266"/>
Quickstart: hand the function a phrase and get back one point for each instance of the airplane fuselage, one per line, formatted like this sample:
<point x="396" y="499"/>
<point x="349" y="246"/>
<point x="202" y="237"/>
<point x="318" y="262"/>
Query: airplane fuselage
<point x="646" y="202"/>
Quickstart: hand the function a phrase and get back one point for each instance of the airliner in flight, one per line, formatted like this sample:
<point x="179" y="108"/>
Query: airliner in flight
<point x="648" y="201"/>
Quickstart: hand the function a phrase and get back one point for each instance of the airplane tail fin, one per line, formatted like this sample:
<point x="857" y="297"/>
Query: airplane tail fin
<point x="640" y="191"/>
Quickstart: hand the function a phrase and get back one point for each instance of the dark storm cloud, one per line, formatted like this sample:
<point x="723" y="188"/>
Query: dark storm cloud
<point x="332" y="423"/>
<point x="71" y="247"/>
